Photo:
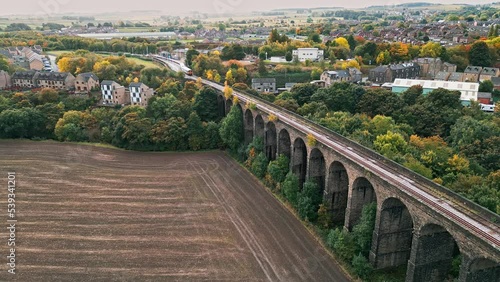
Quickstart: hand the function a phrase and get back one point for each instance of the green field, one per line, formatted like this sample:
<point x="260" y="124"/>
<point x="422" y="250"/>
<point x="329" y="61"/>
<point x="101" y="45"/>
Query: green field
<point x="138" y="61"/>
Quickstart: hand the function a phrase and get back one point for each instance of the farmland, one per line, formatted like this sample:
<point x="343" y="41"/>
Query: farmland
<point x="88" y="213"/>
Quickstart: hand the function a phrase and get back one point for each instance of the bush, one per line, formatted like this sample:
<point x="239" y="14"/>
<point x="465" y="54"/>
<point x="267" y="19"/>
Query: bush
<point x="361" y="266"/>
<point x="278" y="169"/>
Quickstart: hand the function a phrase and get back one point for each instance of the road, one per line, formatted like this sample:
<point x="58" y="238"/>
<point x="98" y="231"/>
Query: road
<point x="98" y="214"/>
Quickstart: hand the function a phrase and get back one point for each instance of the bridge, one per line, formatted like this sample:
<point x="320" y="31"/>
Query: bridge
<point x="419" y="223"/>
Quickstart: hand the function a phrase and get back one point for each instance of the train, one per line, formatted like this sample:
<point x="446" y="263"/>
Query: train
<point x="181" y="66"/>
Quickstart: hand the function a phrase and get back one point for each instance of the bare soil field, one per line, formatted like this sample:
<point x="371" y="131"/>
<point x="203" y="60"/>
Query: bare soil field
<point x="87" y="213"/>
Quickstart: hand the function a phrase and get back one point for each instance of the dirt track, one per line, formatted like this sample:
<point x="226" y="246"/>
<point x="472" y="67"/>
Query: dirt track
<point x="96" y="214"/>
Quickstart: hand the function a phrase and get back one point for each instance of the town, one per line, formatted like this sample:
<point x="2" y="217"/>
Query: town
<point x="272" y="143"/>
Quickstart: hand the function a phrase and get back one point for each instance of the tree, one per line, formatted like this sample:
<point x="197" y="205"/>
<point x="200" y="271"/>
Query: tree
<point x="259" y="165"/>
<point x="170" y="134"/>
<point x="310" y="198"/>
<point x="161" y="107"/>
<point x="363" y="231"/>
<point x="278" y="169"/>
<point x="195" y="132"/>
<point x="136" y="131"/>
<point x="190" y="54"/>
<point x="379" y="102"/>
<point x="391" y="144"/>
<point x="288" y="56"/>
<point x="291" y="188"/>
<point x="205" y="104"/>
<point x="48" y="95"/>
<point x="362" y="266"/>
<point x="431" y="49"/>
<point x="72" y="127"/>
<point x="342" y="42"/>
<point x="479" y="54"/>
<point x="262" y="67"/>
<point x="486" y="86"/>
<point x="231" y="130"/>
<point x="352" y="42"/>
<point x="21" y="123"/>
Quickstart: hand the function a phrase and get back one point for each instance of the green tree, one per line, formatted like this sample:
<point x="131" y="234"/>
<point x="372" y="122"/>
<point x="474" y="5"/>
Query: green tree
<point x="309" y="200"/>
<point x="231" y="130"/>
<point x="279" y="168"/>
<point x="259" y="165"/>
<point x="486" y="86"/>
<point x="479" y="54"/>
<point x="195" y="132"/>
<point x="205" y="104"/>
<point x="362" y="266"/>
<point x="363" y="231"/>
<point x="291" y="188"/>
<point x="21" y="123"/>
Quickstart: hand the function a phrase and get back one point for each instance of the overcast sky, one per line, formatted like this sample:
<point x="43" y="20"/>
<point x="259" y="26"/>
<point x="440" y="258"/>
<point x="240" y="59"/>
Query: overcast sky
<point x="27" y="7"/>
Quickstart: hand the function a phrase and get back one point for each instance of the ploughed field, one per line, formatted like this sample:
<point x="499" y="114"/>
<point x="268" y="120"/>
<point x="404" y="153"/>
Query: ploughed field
<point x="97" y="214"/>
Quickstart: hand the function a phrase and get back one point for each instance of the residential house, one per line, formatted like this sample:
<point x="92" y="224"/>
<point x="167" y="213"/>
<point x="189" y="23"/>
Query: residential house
<point x="356" y="75"/>
<point x="456" y="76"/>
<point x="496" y="82"/>
<point x="24" y="79"/>
<point x="469" y="90"/>
<point x="55" y="80"/>
<point x="384" y="74"/>
<point x="430" y="67"/>
<point x="34" y="59"/>
<point x="264" y="84"/>
<point x="442" y="75"/>
<point x="472" y="73"/>
<point x="86" y="82"/>
<point x="489" y="73"/>
<point x="140" y="94"/>
<point x="113" y="93"/>
<point x="311" y="54"/>
<point x="331" y="77"/>
<point x="5" y="81"/>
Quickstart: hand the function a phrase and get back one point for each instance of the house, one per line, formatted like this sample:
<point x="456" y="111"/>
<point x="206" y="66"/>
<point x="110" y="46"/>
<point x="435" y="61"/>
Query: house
<point x="471" y="73"/>
<point x="24" y="79"/>
<point x="113" y="93"/>
<point x="264" y="84"/>
<point x="35" y="60"/>
<point x="140" y="94"/>
<point x="86" y="82"/>
<point x="330" y="77"/>
<point x="442" y="75"/>
<point x="5" y="81"/>
<point x="456" y="76"/>
<point x="496" y="82"/>
<point x="55" y="80"/>
<point x="380" y="75"/>
<point x="489" y="73"/>
<point x="311" y="54"/>
<point x="356" y="75"/>
<point x="468" y="90"/>
<point x="484" y="98"/>
<point x="430" y="67"/>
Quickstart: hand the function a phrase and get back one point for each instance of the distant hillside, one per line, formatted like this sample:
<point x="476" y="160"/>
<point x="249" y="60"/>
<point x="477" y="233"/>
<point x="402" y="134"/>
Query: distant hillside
<point x="406" y="5"/>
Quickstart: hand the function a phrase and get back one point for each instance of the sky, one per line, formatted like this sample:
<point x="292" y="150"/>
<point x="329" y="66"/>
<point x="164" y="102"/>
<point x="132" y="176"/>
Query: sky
<point x="44" y="7"/>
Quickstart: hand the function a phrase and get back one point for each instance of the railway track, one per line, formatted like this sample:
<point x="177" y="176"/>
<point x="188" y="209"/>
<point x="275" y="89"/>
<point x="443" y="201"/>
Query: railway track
<point x="463" y="212"/>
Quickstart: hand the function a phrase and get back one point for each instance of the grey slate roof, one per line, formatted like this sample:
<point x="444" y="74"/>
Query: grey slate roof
<point x="87" y="75"/>
<point x="136" y="84"/>
<point x="24" y="74"/>
<point x="107" y="82"/>
<point x="54" y="76"/>
<point x="264" y="80"/>
<point x="473" y="69"/>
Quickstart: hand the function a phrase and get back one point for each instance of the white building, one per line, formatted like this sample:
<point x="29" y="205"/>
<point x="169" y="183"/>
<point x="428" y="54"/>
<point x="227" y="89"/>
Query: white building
<point x="312" y="54"/>
<point x="469" y="90"/>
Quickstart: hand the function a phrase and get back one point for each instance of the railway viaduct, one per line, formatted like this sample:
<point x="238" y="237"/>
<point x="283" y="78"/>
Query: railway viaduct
<point x="419" y="223"/>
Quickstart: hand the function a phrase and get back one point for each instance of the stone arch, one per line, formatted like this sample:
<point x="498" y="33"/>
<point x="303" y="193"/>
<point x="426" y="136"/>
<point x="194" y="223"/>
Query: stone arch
<point x="392" y="238"/>
<point x="317" y="168"/>
<point x="362" y="194"/>
<point x="229" y="105"/>
<point x="221" y="106"/>
<point x="337" y="192"/>
<point x="271" y="142"/>
<point x="483" y="269"/>
<point x="249" y="126"/>
<point x="259" y="127"/>
<point x="299" y="161"/>
<point x="432" y="255"/>
<point x="285" y="144"/>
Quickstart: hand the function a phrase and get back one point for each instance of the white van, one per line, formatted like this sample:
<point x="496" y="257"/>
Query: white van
<point x="487" y="108"/>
